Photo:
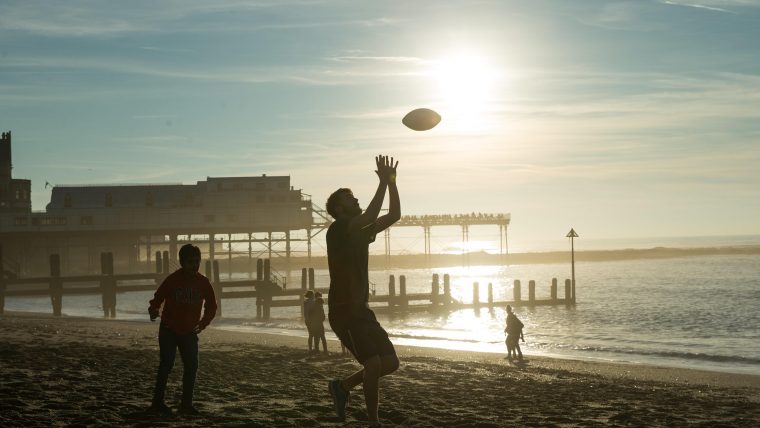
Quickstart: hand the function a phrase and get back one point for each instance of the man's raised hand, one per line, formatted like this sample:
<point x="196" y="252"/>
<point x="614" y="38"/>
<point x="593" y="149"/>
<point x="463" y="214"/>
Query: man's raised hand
<point x="386" y="168"/>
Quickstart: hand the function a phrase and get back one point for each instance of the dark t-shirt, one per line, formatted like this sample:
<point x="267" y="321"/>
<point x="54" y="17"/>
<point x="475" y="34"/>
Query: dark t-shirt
<point x="347" y="257"/>
<point x="514" y="325"/>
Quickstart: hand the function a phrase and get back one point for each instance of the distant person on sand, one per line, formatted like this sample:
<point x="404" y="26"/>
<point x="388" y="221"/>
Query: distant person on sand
<point x="183" y="294"/>
<point x="318" y="322"/>
<point x="308" y="306"/>
<point x="514" y="334"/>
<point x="351" y="319"/>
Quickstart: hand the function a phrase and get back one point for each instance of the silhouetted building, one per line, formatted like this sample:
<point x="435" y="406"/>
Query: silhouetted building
<point x="133" y="221"/>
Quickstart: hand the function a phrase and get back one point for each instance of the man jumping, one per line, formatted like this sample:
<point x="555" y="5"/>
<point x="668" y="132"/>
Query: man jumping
<point x="350" y="317"/>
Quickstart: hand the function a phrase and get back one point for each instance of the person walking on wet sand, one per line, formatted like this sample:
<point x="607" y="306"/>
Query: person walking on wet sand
<point x="514" y="334"/>
<point x="350" y="317"/>
<point x="308" y="307"/>
<point x="318" y="322"/>
<point x="183" y="294"/>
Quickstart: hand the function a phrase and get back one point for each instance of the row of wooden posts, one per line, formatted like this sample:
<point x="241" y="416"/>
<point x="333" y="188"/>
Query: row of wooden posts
<point x="264" y="288"/>
<point x="436" y="298"/>
<point x="108" y="284"/>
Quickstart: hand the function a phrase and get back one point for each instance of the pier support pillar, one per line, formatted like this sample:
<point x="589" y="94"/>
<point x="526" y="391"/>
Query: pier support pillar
<point x="211" y="245"/>
<point x="476" y="294"/>
<point x="250" y="256"/>
<point x="229" y="255"/>
<point x="148" y="249"/>
<point x="173" y="247"/>
<point x="490" y="294"/>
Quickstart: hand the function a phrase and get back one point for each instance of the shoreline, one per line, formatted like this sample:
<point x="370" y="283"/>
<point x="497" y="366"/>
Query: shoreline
<point x="617" y="369"/>
<point x="81" y="371"/>
<point x="295" y="338"/>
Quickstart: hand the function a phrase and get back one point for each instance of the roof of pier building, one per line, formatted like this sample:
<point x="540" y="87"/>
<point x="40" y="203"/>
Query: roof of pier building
<point x="214" y="191"/>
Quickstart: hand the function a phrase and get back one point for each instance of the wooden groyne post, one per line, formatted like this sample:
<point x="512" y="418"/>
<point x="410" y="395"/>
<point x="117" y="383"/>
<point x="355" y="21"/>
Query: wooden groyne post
<point x="434" y="290"/>
<point x="490" y="294"/>
<point x="402" y="291"/>
<point x="56" y="285"/>
<point x="568" y="292"/>
<point x="476" y="294"/>
<point x="107" y="285"/>
<point x="391" y="291"/>
<point x="516" y="291"/>
<point x="446" y="289"/>
<point x="554" y="289"/>
<point x="531" y="291"/>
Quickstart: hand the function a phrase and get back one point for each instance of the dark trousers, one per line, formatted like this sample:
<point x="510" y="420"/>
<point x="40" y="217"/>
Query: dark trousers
<point x="168" y="342"/>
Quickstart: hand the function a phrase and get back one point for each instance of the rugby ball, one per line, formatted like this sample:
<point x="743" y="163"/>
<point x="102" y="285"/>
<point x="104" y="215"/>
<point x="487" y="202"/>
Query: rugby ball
<point x="421" y="119"/>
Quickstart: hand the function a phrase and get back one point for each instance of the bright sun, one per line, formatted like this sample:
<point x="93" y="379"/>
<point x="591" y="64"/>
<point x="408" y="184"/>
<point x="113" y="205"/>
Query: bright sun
<point x="467" y="87"/>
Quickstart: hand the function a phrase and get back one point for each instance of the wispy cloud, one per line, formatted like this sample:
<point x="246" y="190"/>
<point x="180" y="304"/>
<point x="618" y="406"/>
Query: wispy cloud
<point x="696" y="5"/>
<point x="313" y="74"/>
<point x="86" y="18"/>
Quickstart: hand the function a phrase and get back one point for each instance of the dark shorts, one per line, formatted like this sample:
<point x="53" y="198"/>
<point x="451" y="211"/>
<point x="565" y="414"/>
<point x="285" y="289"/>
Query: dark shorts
<point x="361" y="334"/>
<point x="513" y="340"/>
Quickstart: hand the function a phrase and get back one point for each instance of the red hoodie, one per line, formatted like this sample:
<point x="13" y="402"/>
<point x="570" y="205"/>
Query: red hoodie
<point x="182" y="297"/>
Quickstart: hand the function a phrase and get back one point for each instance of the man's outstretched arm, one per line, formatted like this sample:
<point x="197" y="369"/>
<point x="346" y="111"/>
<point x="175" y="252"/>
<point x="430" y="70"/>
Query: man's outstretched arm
<point x="373" y="209"/>
<point x="394" y="209"/>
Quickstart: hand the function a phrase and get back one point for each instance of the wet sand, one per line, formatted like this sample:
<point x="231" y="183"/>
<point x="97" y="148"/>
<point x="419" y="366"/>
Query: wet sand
<point x="101" y="372"/>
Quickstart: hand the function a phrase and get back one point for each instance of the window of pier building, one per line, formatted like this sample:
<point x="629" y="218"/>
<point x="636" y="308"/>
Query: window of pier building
<point x="85" y="220"/>
<point x="67" y="200"/>
<point x="21" y="221"/>
<point x="109" y="199"/>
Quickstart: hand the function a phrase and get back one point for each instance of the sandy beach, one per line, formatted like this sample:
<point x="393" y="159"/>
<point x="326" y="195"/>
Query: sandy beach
<point x="100" y="372"/>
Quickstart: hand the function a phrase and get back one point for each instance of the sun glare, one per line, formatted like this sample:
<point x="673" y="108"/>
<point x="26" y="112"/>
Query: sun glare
<point x="467" y="86"/>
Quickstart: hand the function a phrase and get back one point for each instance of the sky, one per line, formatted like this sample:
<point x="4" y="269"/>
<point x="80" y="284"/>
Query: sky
<point x="617" y="118"/>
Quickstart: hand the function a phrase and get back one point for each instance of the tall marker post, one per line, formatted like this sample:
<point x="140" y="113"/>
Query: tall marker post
<point x="572" y="235"/>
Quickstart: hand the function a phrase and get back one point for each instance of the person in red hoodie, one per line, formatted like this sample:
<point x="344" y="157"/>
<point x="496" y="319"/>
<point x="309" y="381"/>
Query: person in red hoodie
<point x="183" y="294"/>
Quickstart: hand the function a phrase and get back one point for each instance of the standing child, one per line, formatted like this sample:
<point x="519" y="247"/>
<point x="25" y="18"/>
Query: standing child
<point x="183" y="295"/>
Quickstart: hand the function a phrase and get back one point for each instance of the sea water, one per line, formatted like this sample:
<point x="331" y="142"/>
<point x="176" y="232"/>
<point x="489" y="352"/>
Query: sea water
<point x="698" y="311"/>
